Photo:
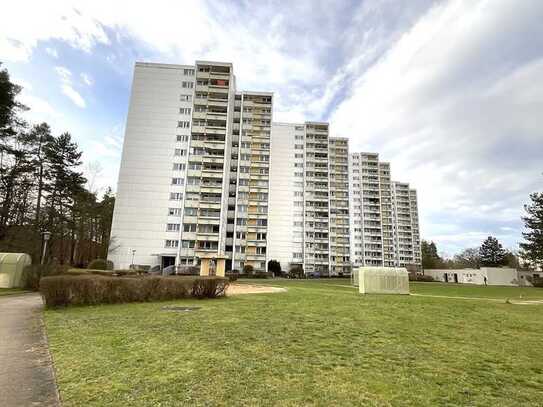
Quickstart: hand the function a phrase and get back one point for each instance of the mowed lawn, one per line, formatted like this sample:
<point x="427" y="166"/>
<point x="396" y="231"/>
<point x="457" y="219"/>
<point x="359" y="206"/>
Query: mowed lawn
<point x="320" y="343"/>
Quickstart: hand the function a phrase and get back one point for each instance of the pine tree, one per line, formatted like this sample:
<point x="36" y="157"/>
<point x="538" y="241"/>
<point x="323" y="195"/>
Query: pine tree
<point x="492" y="253"/>
<point x="430" y="257"/>
<point x="532" y="249"/>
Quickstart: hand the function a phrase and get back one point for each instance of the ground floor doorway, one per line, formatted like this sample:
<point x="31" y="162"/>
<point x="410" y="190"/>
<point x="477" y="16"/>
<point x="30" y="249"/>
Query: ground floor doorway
<point x="167" y="261"/>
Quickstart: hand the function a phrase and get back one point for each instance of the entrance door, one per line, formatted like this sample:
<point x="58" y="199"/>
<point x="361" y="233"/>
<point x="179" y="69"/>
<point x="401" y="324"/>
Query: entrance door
<point x="446" y="277"/>
<point x="455" y="278"/>
<point x="168" y="261"/>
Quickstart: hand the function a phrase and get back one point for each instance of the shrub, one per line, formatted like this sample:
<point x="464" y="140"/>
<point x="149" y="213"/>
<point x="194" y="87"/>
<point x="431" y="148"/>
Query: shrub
<point x="248" y="269"/>
<point x="420" y="277"/>
<point x="231" y="276"/>
<point x="275" y="267"/>
<point x="296" y="272"/>
<point x="100" y="264"/>
<point x="34" y="272"/>
<point x="537" y="281"/>
<point x="65" y="290"/>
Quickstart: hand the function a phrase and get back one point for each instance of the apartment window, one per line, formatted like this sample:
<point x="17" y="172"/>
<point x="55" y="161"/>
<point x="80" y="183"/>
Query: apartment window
<point x="195" y="166"/>
<point x="187" y="244"/>
<point x="298" y="203"/>
<point x="189" y="227"/>
<point x="177" y="181"/>
<point x="298" y="193"/>
<point x="188" y="72"/>
<point x="174" y="212"/>
<point x="185" y="98"/>
<point x="296" y="224"/>
<point x="193" y="181"/>
<point x="298" y="146"/>
<point x="240" y="249"/>
<point x="297" y="255"/>
<point x="298" y="137"/>
<point x="242" y="208"/>
<point x="298" y="174"/>
<point x="299" y="165"/>
<point x="187" y="84"/>
<point x="262" y="222"/>
<point x="299" y="184"/>
<point x="260" y="250"/>
<point x="184" y="110"/>
<point x="244" y="170"/>
<point x="243" y="182"/>
<point x="245" y="157"/>
<point x="178" y="166"/>
<point x="191" y="211"/>
<point x="240" y="235"/>
<point x="298" y="155"/>
<point x="241" y="221"/>
<point x="171" y="243"/>
<point x="182" y="137"/>
<point x="261" y="236"/>
<point x="176" y="196"/>
<point x="173" y="227"/>
<point x="183" y="124"/>
<point x="245" y="144"/>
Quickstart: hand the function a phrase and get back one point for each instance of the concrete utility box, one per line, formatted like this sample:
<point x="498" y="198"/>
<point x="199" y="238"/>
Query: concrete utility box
<point x="11" y="269"/>
<point x="383" y="280"/>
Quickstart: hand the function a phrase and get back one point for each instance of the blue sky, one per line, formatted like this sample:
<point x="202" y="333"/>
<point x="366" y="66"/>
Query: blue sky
<point x="450" y="92"/>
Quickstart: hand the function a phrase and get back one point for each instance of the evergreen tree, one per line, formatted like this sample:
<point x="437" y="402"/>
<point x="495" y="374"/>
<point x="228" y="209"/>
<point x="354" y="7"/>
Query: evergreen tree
<point x="532" y="249"/>
<point x="492" y="253"/>
<point x="430" y="257"/>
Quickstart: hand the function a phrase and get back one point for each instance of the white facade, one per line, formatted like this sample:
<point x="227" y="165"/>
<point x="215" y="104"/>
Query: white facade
<point x="186" y="128"/>
<point x="309" y="202"/>
<point x="384" y="224"/>
<point x="150" y="148"/>
<point x="493" y="275"/>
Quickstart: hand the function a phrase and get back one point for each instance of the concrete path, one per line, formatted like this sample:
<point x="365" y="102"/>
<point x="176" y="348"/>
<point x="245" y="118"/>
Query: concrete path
<point x="26" y="371"/>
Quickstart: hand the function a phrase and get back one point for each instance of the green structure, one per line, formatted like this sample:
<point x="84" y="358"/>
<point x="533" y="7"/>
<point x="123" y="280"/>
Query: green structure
<point x="11" y="269"/>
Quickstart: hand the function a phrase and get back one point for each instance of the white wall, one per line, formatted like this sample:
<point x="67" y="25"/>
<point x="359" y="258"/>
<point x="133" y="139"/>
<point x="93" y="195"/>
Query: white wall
<point x="494" y="275"/>
<point x="141" y="208"/>
<point x="281" y="194"/>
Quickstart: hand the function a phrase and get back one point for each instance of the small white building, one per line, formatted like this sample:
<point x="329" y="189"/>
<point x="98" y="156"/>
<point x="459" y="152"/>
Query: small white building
<point x="493" y="276"/>
<point x="11" y="269"/>
<point x="382" y="280"/>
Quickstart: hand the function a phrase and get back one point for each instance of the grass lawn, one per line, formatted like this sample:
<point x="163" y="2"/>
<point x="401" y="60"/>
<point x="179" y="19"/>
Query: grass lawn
<point x="9" y="291"/>
<point x="320" y="343"/>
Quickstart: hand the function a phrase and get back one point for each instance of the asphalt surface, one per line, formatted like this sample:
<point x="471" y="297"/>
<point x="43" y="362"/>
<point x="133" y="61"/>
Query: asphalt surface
<point x="26" y="371"/>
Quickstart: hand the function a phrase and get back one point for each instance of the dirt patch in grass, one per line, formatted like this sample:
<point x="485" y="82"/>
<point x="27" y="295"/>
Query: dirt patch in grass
<point x="236" y="289"/>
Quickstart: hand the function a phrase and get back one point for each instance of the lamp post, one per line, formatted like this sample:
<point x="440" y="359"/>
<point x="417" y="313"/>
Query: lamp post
<point x="46" y="235"/>
<point x="133" y="254"/>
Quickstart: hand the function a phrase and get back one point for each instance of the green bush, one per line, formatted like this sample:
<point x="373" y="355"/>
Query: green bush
<point x="248" y="270"/>
<point x="537" y="281"/>
<point x="65" y="290"/>
<point x="296" y="272"/>
<point x="420" y="277"/>
<point x="34" y="272"/>
<point x="231" y="276"/>
<point x="100" y="264"/>
<point x="275" y="267"/>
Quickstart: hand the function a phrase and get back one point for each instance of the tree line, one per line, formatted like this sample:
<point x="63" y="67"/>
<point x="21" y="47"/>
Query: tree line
<point x="491" y="252"/>
<point x="42" y="189"/>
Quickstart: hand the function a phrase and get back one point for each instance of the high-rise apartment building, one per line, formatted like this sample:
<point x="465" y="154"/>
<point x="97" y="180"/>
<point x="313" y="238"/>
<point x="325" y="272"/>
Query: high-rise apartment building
<point x="309" y="203"/>
<point x="205" y="173"/>
<point x="192" y="144"/>
<point x="384" y="215"/>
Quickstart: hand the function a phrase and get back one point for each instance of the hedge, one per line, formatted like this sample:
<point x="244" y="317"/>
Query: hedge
<point x="66" y="290"/>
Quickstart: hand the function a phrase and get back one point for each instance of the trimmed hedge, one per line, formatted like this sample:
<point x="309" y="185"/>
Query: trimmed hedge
<point x="100" y="264"/>
<point x="421" y="277"/>
<point x="66" y="290"/>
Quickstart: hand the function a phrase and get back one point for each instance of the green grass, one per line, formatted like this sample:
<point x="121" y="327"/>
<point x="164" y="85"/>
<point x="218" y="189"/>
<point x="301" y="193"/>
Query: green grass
<point x="9" y="291"/>
<point x="318" y="344"/>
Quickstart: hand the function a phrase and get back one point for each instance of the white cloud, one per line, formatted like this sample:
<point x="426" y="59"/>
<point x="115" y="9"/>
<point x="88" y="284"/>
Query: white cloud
<point x="86" y="79"/>
<point x="67" y="87"/>
<point x="51" y="51"/>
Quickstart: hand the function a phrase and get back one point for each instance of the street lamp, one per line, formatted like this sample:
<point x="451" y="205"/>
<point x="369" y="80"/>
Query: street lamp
<point x="46" y="236"/>
<point x="133" y="254"/>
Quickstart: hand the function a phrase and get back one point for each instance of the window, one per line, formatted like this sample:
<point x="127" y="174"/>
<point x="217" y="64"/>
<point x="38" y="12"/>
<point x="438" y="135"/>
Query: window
<point x="174" y="212"/>
<point x="191" y="211"/>
<point x="187" y="244"/>
<point x="298" y="174"/>
<point x="299" y="165"/>
<point x="297" y="255"/>
<point x="262" y="222"/>
<point x="298" y="137"/>
<point x="172" y="227"/>
<point x="182" y="137"/>
<point x="298" y="193"/>
<point x="185" y="98"/>
<point x="184" y="110"/>
<point x="189" y="227"/>
<point x="298" y="146"/>
<point x="260" y="250"/>
<point x="171" y="243"/>
<point x="188" y="72"/>
<point x="193" y="181"/>
<point x="178" y="166"/>
<point x="242" y="208"/>
<point x="240" y="249"/>
<point x="240" y="235"/>
<point x="241" y="221"/>
<point x="176" y="196"/>
<point x="177" y="181"/>
<point x="180" y="152"/>
<point x="261" y="236"/>
<point x="188" y="85"/>
<point x="183" y="124"/>
<point x="243" y="182"/>
<point x="298" y="155"/>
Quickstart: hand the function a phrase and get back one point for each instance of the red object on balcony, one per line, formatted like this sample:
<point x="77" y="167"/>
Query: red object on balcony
<point x="221" y="82"/>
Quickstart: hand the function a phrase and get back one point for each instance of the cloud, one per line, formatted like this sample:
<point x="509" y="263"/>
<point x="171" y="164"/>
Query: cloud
<point x="51" y="51"/>
<point x="86" y="79"/>
<point x="67" y="87"/>
<point x="450" y="92"/>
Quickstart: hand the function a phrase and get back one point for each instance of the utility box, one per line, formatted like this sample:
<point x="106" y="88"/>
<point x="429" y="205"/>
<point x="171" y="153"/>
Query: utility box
<point x="383" y="280"/>
<point x="11" y="269"/>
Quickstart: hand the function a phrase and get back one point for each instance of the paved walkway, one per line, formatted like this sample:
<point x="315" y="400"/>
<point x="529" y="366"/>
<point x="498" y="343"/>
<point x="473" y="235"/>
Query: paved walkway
<point x="26" y="371"/>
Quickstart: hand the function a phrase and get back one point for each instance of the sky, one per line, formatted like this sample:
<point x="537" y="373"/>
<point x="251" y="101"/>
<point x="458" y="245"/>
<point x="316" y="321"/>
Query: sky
<point x="449" y="92"/>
